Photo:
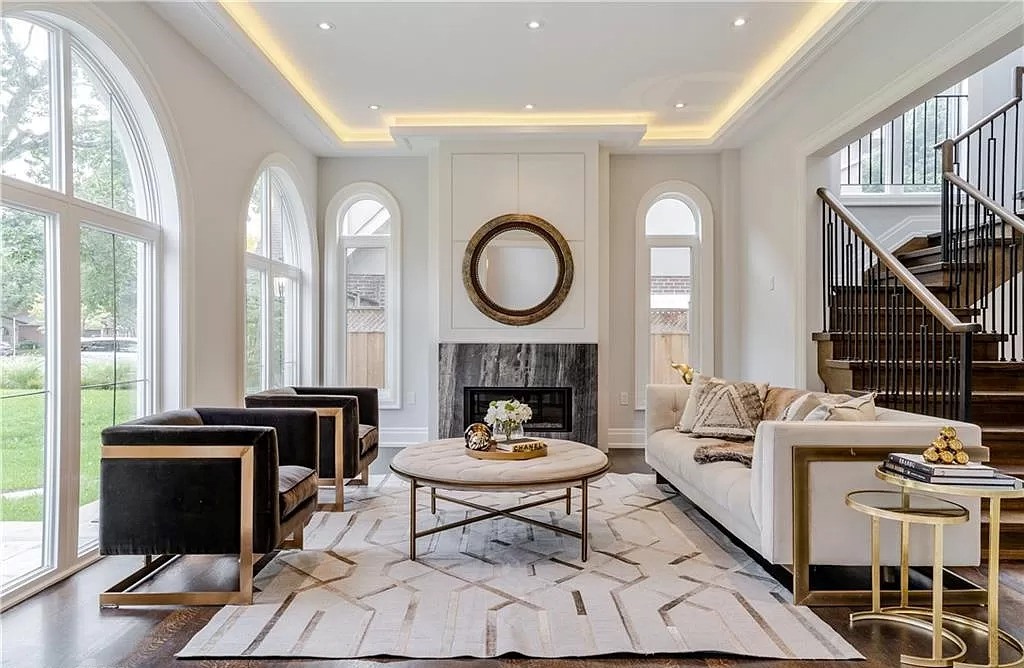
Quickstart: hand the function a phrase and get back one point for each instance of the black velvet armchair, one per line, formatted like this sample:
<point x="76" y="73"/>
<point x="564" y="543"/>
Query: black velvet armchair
<point x="349" y="422"/>
<point x="205" y="481"/>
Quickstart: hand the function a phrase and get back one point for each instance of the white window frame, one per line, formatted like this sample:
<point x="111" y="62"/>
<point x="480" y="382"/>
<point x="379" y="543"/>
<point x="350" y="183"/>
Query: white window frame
<point x="702" y="295"/>
<point x="335" y="311"/>
<point x="269" y="269"/>
<point x="66" y="215"/>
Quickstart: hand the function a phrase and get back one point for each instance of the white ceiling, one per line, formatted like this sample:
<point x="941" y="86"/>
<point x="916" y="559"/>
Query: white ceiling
<point x="454" y="64"/>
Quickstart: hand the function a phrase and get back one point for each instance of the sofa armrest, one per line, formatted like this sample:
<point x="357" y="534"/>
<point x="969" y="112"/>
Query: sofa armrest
<point x="665" y="404"/>
<point x="771" y="494"/>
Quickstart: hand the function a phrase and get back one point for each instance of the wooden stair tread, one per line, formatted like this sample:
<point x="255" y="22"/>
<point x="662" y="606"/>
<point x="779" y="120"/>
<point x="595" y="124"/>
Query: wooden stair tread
<point x="976" y="364"/>
<point x="835" y="336"/>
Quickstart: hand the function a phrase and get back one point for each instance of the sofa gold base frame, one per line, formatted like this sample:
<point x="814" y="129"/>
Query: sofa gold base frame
<point x="122" y="593"/>
<point x="803" y="594"/>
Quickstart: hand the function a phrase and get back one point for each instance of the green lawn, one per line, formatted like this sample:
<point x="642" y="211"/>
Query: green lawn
<point x="21" y="445"/>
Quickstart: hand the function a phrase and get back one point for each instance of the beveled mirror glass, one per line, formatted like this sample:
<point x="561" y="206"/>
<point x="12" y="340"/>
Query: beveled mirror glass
<point x="517" y="269"/>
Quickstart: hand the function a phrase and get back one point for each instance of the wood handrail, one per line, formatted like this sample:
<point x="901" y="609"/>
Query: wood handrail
<point x="1018" y="74"/>
<point x="909" y="281"/>
<point x="1010" y="219"/>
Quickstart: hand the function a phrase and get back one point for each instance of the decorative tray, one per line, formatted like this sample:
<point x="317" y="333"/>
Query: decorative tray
<point x="494" y="453"/>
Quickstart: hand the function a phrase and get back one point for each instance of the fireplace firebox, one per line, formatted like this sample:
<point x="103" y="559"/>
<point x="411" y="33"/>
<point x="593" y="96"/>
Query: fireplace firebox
<point x="551" y="406"/>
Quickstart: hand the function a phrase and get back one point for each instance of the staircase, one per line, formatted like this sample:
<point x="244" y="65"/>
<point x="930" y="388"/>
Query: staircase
<point x="936" y="326"/>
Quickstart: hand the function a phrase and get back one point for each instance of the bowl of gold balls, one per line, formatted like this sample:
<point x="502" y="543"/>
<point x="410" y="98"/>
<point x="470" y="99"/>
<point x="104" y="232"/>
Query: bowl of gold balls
<point x="946" y="449"/>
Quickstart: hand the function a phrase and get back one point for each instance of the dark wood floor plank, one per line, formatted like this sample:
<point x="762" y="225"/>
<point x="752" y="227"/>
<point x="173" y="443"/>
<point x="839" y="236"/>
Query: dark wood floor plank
<point x="64" y="627"/>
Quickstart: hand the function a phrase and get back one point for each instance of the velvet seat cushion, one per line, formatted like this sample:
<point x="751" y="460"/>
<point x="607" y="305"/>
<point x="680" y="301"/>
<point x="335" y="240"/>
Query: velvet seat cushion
<point x="368" y="437"/>
<point x="295" y="484"/>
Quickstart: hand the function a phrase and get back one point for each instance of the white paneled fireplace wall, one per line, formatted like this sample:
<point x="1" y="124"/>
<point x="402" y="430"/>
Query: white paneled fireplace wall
<point x="472" y="182"/>
<point x="557" y="181"/>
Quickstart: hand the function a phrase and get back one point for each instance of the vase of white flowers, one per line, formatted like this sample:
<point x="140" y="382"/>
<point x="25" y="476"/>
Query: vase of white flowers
<point x="507" y="417"/>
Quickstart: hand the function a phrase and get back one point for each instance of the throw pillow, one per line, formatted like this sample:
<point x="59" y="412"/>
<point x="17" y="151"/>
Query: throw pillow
<point x="729" y="410"/>
<point x="857" y="409"/>
<point x="800" y="409"/>
<point x="779" y="399"/>
<point x="690" y="410"/>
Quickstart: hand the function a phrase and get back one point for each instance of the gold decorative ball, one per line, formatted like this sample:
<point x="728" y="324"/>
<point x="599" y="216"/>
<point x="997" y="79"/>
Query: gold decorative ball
<point x="478" y="436"/>
<point x="946" y="456"/>
<point x="961" y="457"/>
<point x="956" y="445"/>
<point x="940" y="444"/>
<point x="947" y="432"/>
<point x="931" y="455"/>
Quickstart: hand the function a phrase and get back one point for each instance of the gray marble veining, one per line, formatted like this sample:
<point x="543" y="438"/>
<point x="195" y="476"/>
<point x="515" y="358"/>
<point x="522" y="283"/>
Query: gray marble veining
<point x="572" y="365"/>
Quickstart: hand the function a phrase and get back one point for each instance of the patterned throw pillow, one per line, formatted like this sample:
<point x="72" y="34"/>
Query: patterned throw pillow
<point x="690" y="410"/>
<point x="729" y="410"/>
<point x="857" y="409"/>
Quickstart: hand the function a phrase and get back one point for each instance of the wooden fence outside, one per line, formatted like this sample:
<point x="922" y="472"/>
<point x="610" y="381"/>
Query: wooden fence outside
<point x="665" y="349"/>
<point x="365" y="359"/>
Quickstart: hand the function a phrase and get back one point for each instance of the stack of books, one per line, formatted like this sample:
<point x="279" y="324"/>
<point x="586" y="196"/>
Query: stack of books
<point x="520" y="445"/>
<point x="971" y="474"/>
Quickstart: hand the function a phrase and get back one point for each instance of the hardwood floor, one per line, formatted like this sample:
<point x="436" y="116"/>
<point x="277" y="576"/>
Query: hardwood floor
<point x="64" y="627"/>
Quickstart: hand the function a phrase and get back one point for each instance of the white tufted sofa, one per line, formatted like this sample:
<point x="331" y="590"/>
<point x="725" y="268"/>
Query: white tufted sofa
<point x="755" y="504"/>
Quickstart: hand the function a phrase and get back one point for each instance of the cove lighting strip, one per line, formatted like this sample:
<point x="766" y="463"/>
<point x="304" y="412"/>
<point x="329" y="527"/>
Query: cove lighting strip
<point x="248" y="19"/>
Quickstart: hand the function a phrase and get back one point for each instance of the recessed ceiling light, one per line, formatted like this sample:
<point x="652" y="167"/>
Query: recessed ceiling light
<point x="680" y="105"/>
<point x="533" y="25"/>
<point x="374" y="107"/>
<point x="324" y="25"/>
<point x="739" y="23"/>
<point x="528" y="107"/>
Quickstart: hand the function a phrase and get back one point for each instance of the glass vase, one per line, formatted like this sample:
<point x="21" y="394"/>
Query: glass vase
<point x="513" y="430"/>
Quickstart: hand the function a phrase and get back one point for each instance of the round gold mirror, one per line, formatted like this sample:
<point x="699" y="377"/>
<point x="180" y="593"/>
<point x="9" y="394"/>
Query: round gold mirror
<point x="517" y="269"/>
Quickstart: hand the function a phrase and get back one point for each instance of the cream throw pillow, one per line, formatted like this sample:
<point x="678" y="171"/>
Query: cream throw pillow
<point x="729" y="410"/>
<point x="801" y="408"/>
<point x="690" y="409"/>
<point x="858" y="409"/>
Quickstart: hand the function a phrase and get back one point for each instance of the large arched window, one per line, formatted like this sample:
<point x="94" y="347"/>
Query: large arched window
<point x="673" y="285"/>
<point x="364" y="291"/>
<point x="273" y="283"/>
<point x="87" y="202"/>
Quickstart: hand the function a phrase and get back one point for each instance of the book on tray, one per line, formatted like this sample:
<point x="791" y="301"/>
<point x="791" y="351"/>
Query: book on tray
<point x="973" y="474"/>
<point x="520" y="445"/>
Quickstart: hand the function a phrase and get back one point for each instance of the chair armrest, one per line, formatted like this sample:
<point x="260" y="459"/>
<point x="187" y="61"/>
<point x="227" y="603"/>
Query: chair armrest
<point x="181" y="495"/>
<point x="369" y="407"/>
<point x="297" y="429"/>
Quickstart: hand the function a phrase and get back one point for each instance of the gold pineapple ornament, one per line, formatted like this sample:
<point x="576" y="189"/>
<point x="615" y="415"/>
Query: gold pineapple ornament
<point x="947" y="449"/>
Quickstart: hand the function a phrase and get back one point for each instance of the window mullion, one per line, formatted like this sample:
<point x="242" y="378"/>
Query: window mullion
<point x="63" y="159"/>
<point x="266" y="318"/>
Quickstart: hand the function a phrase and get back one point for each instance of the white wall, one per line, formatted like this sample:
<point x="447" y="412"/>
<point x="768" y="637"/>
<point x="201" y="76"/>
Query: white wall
<point x="557" y="181"/>
<point x="406" y="179"/>
<point x="780" y="297"/>
<point x="218" y="138"/>
<point x="630" y="177"/>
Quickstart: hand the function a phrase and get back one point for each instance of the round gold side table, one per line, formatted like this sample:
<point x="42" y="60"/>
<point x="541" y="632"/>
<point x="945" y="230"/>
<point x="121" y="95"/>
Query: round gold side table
<point x="907" y="509"/>
<point x="994" y="495"/>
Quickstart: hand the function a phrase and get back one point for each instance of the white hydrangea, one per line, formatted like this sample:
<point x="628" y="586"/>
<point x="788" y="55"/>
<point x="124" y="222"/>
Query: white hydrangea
<point x="507" y="412"/>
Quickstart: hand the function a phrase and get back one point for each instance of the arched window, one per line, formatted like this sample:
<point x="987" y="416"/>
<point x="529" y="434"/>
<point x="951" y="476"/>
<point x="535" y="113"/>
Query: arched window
<point x="273" y="283"/>
<point x="87" y="200"/>
<point x="673" y="296"/>
<point x="364" y="288"/>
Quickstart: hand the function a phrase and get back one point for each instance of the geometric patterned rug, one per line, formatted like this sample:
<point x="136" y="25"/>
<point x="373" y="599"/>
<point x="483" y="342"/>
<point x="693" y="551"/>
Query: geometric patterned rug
<point x="660" y="579"/>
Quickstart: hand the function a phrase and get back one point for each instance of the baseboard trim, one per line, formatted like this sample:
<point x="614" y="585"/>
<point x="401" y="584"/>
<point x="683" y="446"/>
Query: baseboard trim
<point x="400" y="437"/>
<point x="626" y="438"/>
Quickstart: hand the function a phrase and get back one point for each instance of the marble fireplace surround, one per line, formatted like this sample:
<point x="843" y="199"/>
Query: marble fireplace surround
<point x="572" y="365"/>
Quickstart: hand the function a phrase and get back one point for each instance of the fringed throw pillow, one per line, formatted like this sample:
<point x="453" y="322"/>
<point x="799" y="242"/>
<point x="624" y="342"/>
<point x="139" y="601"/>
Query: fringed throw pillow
<point x="729" y="410"/>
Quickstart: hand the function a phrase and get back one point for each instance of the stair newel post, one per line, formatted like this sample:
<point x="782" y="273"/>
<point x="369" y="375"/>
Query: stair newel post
<point x="825" y="287"/>
<point x="947" y="202"/>
<point x="966" y="366"/>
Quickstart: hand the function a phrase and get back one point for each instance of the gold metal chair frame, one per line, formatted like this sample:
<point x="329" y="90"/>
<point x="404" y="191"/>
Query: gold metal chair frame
<point x="803" y="594"/>
<point x="122" y="594"/>
<point x="338" y="481"/>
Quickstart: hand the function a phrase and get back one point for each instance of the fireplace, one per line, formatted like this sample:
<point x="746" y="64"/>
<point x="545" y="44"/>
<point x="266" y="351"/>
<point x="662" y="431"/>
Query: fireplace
<point x="551" y="406"/>
<point x="557" y="380"/>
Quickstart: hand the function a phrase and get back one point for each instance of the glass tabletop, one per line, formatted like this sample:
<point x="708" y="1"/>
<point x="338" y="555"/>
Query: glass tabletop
<point x="907" y="507"/>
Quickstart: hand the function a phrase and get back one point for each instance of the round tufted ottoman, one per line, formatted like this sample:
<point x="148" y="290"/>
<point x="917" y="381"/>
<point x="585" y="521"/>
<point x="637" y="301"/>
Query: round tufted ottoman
<point x="444" y="465"/>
